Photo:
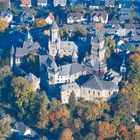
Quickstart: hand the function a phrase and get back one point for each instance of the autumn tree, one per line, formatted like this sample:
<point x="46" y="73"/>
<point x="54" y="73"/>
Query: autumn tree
<point x="106" y="130"/>
<point x="3" y="25"/>
<point x="39" y="23"/>
<point x="67" y="134"/>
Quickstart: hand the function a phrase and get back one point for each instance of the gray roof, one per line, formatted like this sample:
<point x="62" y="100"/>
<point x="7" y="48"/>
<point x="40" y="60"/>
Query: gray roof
<point x="48" y="61"/>
<point x="27" y="14"/>
<point x="70" y="69"/>
<point x="70" y="45"/>
<point x="69" y="86"/>
<point x="42" y="1"/>
<point x="6" y="13"/>
<point x="20" y="126"/>
<point x="28" y="47"/>
<point x="93" y="63"/>
<point x="54" y="26"/>
<point x="109" y="2"/>
<point x="32" y="78"/>
<point x="97" y="84"/>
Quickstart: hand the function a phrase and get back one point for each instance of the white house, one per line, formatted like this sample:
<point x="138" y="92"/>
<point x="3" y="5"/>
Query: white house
<point x="42" y="3"/>
<point x="99" y="16"/>
<point x="59" y="2"/>
<point x="7" y="15"/>
<point x="75" y="18"/>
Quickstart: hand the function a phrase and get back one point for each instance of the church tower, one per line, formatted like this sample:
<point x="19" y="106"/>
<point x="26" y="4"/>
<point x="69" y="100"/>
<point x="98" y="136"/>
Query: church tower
<point x="54" y="41"/>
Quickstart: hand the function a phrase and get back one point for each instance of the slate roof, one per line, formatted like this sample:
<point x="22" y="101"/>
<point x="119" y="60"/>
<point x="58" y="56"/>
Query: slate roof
<point x="69" y="86"/>
<point x="20" y="127"/>
<point x="102" y="14"/>
<point x="27" y="15"/>
<point x="42" y="1"/>
<point x="75" y="15"/>
<point x="6" y="13"/>
<point x="70" y="69"/>
<point x="70" y="45"/>
<point x="54" y="26"/>
<point x="109" y="2"/>
<point x="97" y="84"/>
<point x="32" y="78"/>
<point x="28" y="47"/>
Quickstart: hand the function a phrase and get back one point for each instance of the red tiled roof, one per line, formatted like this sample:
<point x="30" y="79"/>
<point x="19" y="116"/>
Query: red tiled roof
<point x="26" y="2"/>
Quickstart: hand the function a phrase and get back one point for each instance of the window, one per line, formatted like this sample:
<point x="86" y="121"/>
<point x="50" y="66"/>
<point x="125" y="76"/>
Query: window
<point x="88" y="91"/>
<point x="98" y="93"/>
<point x="109" y="93"/>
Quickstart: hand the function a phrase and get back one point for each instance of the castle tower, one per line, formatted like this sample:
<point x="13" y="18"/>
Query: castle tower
<point x="53" y="73"/>
<point x="54" y="42"/>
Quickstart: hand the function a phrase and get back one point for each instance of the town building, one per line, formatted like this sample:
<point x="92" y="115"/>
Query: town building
<point x="75" y="18"/>
<point x="7" y="15"/>
<point x="42" y="3"/>
<point x="59" y="2"/>
<point x="25" y="3"/>
<point x="27" y="17"/>
<point x="28" y="47"/>
<point x="99" y="16"/>
<point x="92" y="90"/>
<point x="109" y="3"/>
<point x="58" y="47"/>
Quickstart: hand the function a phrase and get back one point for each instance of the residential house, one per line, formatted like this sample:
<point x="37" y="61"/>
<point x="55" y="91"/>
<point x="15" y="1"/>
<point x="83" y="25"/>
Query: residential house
<point x="27" y="17"/>
<point x="59" y="2"/>
<point x="25" y="3"/>
<point x="6" y="3"/>
<point x="95" y="4"/>
<point x="7" y="15"/>
<point x="21" y="129"/>
<point x="75" y="18"/>
<point x="34" y="81"/>
<point x="42" y="3"/>
<point x="28" y="47"/>
<point x="130" y="28"/>
<point x="50" y="19"/>
<point x="99" y="16"/>
<point x="125" y="4"/>
<point x="121" y="32"/>
<point x="93" y="89"/>
<point x="109" y="3"/>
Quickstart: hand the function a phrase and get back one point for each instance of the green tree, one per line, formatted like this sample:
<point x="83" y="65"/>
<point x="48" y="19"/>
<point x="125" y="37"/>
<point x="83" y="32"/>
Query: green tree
<point x="43" y="112"/>
<point x="5" y="128"/>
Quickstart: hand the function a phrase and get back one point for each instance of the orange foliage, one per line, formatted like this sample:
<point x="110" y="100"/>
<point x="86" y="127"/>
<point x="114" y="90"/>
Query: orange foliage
<point x="41" y="22"/>
<point x="106" y="130"/>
